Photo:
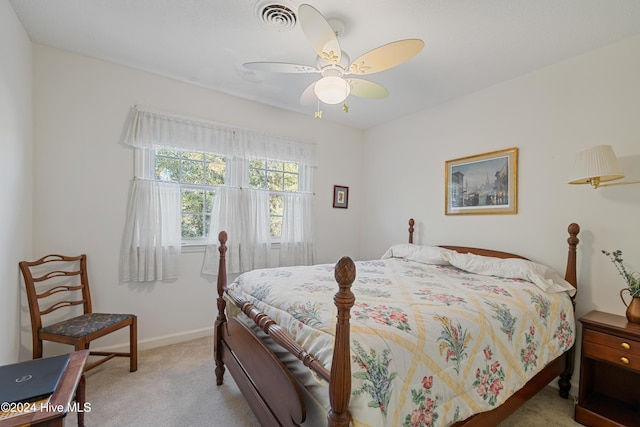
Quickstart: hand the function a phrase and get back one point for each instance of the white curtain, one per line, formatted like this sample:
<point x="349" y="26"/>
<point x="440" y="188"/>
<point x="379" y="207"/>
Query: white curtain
<point x="296" y="242"/>
<point x="151" y="243"/>
<point x="244" y="215"/>
<point x="155" y="129"/>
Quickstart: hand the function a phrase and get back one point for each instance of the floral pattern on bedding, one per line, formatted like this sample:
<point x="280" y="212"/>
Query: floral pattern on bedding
<point x="431" y="345"/>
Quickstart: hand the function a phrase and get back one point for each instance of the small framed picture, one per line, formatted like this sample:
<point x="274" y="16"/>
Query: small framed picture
<point x="340" y="196"/>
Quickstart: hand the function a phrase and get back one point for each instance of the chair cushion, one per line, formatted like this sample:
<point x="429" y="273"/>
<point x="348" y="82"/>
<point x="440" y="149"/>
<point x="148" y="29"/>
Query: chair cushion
<point x="85" y="324"/>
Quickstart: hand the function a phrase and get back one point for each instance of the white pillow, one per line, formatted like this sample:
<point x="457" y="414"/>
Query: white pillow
<point x="424" y="254"/>
<point x="542" y="276"/>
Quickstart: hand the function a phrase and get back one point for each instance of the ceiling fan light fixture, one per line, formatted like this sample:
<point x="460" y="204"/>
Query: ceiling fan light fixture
<point x="332" y="89"/>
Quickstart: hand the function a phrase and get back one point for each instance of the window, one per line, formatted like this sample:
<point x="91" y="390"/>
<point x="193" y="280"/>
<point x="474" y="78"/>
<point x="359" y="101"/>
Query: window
<point x="199" y="175"/>
<point x="276" y="177"/>
<point x="196" y="174"/>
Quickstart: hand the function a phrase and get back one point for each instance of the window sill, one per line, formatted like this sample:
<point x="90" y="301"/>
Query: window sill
<point x="201" y="247"/>
<point x="193" y="248"/>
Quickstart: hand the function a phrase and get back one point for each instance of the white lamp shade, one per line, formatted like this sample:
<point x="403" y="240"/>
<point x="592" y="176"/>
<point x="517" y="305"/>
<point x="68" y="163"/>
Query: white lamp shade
<point x="596" y="162"/>
<point x="332" y="89"/>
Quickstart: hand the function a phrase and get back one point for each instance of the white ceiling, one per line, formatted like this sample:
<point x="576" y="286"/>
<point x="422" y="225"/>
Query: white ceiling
<point x="469" y="44"/>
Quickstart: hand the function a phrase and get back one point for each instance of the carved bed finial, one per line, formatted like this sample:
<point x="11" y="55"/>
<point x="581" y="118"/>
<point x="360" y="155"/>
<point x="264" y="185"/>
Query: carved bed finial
<point x="411" y="224"/>
<point x="570" y="274"/>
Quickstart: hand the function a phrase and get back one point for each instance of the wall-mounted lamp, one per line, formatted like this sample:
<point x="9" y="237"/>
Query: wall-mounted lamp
<point x="596" y="165"/>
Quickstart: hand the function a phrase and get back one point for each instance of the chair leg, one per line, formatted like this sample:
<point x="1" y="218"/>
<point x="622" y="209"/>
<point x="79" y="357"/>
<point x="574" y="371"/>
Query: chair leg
<point x="133" y="345"/>
<point x="37" y="348"/>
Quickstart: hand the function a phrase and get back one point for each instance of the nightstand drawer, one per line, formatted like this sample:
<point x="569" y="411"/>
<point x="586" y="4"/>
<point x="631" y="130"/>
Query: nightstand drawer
<point x="621" y="345"/>
<point x="608" y="354"/>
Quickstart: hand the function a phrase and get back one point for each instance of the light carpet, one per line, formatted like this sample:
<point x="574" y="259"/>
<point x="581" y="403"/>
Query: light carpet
<point x="175" y="386"/>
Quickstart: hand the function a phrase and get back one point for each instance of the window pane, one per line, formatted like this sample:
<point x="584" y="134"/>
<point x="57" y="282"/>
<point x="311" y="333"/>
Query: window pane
<point x="192" y="226"/>
<point x="215" y="170"/>
<point x="192" y="172"/>
<point x="257" y="164"/>
<point x="215" y="173"/>
<point x="275" y="181"/>
<point x="276" y="204"/>
<point x="290" y="182"/>
<point x="214" y="158"/>
<point x="276" y="209"/>
<point x="276" y="226"/>
<point x="192" y="201"/>
<point x="201" y="169"/>
<point x="192" y="155"/>
<point x="167" y="169"/>
<point x="208" y="201"/>
<point x="168" y="153"/>
<point x="257" y="178"/>
<point x="274" y="166"/>
<point x="291" y="167"/>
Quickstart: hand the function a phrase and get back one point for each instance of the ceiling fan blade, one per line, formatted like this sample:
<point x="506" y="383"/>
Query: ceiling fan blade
<point x="280" y="67"/>
<point x="308" y="96"/>
<point x="367" y="89"/>
<point x="319" y="33"/>
<point x="386" y="56"/>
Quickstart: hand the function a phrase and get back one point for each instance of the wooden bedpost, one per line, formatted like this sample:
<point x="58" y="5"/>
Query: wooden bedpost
<point x="411" y="224"/>
<point x="340" y="383"/>
<point x="222" y="317"/>
<point x="571" y="276"/>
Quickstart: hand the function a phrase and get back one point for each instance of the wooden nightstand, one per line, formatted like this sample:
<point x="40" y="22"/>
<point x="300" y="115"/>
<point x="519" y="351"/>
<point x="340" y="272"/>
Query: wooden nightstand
<point x="609" y="371"/>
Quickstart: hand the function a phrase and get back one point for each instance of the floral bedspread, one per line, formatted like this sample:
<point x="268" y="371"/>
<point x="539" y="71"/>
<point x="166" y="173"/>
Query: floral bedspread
<point x="431" y="344"/>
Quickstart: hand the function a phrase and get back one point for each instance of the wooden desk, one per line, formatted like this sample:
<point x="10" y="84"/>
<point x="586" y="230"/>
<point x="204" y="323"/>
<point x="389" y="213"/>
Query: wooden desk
<point x="71" y="383"/>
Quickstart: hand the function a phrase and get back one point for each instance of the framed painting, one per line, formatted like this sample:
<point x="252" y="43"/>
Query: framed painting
<point x="482" y="184"/>
<point x="340" y="196"/>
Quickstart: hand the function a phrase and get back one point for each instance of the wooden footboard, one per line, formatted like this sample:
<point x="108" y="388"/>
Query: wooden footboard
<point x="270" y="389"/>
<point x="261" y="377"/>
<point x="268" y="386"/>
<point x="264" y="385"/>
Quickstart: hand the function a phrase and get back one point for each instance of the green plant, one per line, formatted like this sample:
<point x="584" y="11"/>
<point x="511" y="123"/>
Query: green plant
<point x="631" y="278"/>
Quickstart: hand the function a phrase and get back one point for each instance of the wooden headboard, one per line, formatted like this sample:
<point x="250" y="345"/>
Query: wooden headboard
<point x="570" y="274"/>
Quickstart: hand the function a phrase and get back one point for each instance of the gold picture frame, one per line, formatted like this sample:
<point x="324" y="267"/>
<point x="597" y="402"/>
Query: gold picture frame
<point x="482" y="184"/>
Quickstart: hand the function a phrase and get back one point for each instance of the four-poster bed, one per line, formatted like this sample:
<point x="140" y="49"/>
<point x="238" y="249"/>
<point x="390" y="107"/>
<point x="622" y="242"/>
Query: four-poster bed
<point x="277" y="398"/>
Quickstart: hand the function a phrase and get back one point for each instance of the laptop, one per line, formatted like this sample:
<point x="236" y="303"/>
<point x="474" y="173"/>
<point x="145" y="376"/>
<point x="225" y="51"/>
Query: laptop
<point x="32" y="380"/>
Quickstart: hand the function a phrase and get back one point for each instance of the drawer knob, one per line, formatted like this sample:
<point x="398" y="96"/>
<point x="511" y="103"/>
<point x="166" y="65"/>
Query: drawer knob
<point x="624" y="360"/>
<point x="625" y="345"/>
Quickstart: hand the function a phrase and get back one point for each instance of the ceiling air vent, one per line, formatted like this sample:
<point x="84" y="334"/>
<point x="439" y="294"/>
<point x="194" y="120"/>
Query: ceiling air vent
<point x="276" y="16"/>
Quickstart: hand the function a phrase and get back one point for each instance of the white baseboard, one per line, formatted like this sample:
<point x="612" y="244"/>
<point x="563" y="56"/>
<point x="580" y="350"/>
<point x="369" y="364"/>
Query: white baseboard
<point x="160" y="341"/>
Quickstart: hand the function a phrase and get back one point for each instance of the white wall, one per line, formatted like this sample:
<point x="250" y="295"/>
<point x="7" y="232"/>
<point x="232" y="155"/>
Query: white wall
<point x="81" y="173"/>
<point x="549" y="115"/>
<point x="82" y="176"/>
<point x="16" y="170"/>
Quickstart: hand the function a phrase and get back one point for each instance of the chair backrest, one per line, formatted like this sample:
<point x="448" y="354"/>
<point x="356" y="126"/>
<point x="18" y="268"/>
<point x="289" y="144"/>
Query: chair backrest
<point x="54" y="282"/>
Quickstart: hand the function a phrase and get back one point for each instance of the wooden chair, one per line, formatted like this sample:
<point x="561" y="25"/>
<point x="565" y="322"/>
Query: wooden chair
<point x="56" y="281"/>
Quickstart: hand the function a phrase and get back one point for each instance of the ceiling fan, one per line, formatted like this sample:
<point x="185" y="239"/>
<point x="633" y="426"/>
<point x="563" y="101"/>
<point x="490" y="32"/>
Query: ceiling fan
<point x="334" y="64"/>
